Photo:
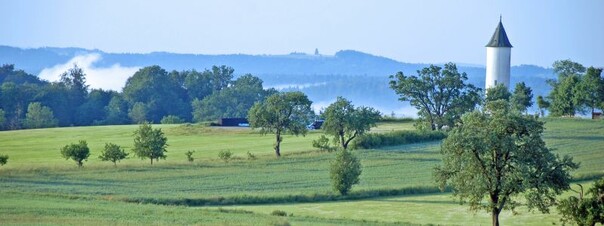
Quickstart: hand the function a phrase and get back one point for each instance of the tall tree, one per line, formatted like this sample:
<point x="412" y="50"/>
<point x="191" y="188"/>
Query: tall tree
<point x="281" y="113"/>
<point x="39" y="116"/>
<point x="74" y="80"/>
<point x="440" y="94"/>
<point x="564" y="97"/>
<point x="591" y="89"/>
<point x="149" y="143"/>
<point x="522" y="98"/>
<point x="497" y="155"/>
<point x="345" y="122"/>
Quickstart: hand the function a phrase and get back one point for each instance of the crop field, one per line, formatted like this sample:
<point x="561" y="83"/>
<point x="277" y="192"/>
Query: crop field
<point x="38" y="186"/>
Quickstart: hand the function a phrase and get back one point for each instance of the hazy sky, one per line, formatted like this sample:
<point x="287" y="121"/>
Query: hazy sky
<point x="410" y="31"/>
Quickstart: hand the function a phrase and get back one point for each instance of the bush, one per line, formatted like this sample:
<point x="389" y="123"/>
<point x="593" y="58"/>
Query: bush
<point x="375" y="140"/>
<point x="279" y="213"/>
<point x="189" y="155"/>
<point x="3" y="159"/>
<point x="322" y="144"/>
<point x="225" y="155"/>
<point x="171" y="119"/>
<point x="113" y="153"/>
<point x="345" y="171"/>
<point x="78" y="152"/>
<point x="251" y="156"/>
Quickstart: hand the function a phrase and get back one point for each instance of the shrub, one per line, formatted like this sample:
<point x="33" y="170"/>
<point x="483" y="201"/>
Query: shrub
<point x="375" y="140"/>
<point x="3" y="159"/>
<point x="251" y="156"/>
<point x="279" y="213"/>
<point x="345" y="171"/>
<point x="78" y="152"/>
<point x="322" y="144"/>
<point x="225" y="155"/>
<point x="171" y="119"/>
<point x="113" y="153"/>
<point x="189" y="155"/>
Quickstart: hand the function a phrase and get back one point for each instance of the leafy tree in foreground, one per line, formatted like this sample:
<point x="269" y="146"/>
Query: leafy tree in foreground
<point x="584" y="211"/>
<point x="440" y="95"/>
<point x="3" y="159"/>
<point x="78" y="152"/>
<point x="113" y="153"/>
<point x="345" y="171"/>
<point x="345" y="122"/>
<point x="281" y="113"/>
<point x="39" y="116"/>
<point x="522" y="98"/>
<point x="496" y="155"/>
<point x="149" y="143"/>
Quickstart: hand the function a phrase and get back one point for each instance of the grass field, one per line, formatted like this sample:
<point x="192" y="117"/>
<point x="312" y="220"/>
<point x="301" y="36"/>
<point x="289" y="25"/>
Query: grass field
<point x="96" y="192"/>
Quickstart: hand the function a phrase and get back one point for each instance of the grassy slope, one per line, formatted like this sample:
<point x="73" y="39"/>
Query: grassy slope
<point x="303" y="173"/>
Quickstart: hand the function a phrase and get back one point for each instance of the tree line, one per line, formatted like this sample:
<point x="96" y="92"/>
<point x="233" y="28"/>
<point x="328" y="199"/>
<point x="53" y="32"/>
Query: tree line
<point x="151" y="94"/>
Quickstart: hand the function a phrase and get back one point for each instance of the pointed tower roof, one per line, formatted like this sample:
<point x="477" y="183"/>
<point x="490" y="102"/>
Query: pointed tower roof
<point x="500" y="38"/>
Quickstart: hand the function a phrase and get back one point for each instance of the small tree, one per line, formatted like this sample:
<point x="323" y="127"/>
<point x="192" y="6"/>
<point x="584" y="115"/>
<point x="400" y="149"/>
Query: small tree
<point x="498" y="92"/>
<point x="322" y="143"/>
<point x="345" y="122"/>
<point x="225" y="155"/>
<point x="189" y="155"/>
<point x="171" y="119"/>
<point x="3" y="160"/>
<point x="149" y="143"/>
<point x="78" y="152"/>
<point x="584" y="210"/>
<point x="281" y="113"/>
<point x="113" y="153"/>
<point x="497" y="155"/>
<point x="344" y="171"/>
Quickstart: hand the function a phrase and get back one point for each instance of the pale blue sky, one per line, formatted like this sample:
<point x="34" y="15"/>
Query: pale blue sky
<point x="424" y="31"/>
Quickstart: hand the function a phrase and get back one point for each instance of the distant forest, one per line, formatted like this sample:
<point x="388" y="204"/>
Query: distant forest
<point x="151" y="94"/>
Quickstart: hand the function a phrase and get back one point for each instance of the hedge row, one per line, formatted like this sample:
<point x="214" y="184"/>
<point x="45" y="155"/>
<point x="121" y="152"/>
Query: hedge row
<point x="375" y="140"/>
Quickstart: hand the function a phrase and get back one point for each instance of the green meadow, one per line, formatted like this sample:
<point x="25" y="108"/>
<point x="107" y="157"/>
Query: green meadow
<point x="38" y="186"/>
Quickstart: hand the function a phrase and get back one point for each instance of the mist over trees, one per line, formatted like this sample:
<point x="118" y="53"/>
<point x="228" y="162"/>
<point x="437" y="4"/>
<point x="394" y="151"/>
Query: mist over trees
<point x="151" y="94"/>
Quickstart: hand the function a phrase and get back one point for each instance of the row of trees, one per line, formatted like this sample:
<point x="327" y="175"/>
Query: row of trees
<point x="151" y="94"/>
<point x="149" y="143"/>
<point x="576" y="90"/>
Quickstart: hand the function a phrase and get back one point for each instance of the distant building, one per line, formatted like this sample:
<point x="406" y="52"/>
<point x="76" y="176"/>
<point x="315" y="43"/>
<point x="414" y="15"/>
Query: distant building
<point x="234" y="122"/>
<point x="499" y="51"/>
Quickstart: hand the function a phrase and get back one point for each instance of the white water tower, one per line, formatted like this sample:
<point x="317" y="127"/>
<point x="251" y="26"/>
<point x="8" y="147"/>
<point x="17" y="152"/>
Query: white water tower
<point x="499" y="51"/>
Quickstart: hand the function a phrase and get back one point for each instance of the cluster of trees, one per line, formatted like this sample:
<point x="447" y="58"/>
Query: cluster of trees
<point x="149" y="143"/>
<point x="576" y="90"/>
<point x="151" y="94"/>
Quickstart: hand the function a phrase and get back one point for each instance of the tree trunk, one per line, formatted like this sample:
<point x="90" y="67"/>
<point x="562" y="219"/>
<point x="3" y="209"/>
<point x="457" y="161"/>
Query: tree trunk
<point x="151" y="161"/>
<point x="278" y="143"/>
<point x="495" y="215"/>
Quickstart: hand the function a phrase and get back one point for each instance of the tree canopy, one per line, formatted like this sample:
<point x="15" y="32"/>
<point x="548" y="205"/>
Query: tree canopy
<point x="495" y="155"/>
<point x="281" y="113"/>
<point x="440" y="94"/>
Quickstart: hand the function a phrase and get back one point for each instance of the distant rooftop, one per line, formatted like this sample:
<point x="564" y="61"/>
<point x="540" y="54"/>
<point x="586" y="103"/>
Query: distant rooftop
<point x="500" y="38"/>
